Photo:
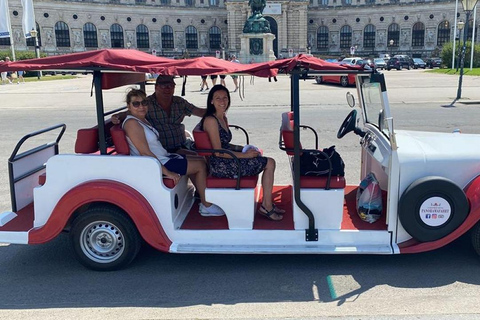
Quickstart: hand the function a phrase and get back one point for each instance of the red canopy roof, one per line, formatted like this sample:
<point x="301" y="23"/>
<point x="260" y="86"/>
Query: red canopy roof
<point x="138" y="61"/>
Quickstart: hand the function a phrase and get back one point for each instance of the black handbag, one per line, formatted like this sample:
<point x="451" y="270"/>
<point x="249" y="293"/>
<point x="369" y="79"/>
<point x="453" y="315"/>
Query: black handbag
<point x="314" y="163"/>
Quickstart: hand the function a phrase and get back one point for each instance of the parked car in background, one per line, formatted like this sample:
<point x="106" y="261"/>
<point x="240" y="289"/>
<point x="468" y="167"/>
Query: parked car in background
<point x="344" y="81"/>
<point x="399" y="62"/>
<point x="350" y="61"/>
<point x="380" y="63"/>
<point x="434" y="62"/>
<point x="419" y="63"/>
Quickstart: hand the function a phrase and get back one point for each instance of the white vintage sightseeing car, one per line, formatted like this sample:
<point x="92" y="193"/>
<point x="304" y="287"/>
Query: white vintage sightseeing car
<point x="430" y="182"/>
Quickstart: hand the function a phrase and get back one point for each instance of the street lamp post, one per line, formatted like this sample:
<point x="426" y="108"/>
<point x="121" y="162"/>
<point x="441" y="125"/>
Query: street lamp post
<point x="460" y="25"/>
<point x="34" y="34"/>
<point x="468" y="6"/>
<point x="391" y="42"/>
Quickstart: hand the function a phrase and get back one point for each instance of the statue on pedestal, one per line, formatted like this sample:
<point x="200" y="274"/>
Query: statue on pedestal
<point x="256" y="23"/>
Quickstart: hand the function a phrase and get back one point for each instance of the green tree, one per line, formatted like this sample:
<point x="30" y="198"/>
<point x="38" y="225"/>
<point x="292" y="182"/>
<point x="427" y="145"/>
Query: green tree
<point x="446" y="54"/>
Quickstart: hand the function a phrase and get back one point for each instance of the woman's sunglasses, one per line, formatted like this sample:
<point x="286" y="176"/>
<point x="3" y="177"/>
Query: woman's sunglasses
<point x="136" y="104"/>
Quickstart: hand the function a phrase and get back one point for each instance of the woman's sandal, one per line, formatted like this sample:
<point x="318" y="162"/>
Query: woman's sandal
<point x="278" y="210"/>
<point x="269" y="214"/>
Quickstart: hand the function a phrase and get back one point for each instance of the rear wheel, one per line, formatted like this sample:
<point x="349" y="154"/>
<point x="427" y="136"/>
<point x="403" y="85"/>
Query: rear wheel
<point x="319" y="79"/>
<point x="104" y="238"/>
<point x="344" y="81"/>
<point x="432" y="207"/>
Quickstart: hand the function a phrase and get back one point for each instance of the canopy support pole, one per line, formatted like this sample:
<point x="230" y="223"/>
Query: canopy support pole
<point x="97" y="80"/>
<point x="311" y="234"/>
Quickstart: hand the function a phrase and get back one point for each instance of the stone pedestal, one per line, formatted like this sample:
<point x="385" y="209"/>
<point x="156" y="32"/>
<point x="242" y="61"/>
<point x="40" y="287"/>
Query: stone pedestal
<point x="256" y="46"/>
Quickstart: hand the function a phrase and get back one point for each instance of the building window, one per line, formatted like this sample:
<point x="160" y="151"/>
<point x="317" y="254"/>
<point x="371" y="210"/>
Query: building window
<point x="191" y="38"/>
<point x="323" y="2"/>
<point x="190" y="3"/>
<point x="322" y="38"/>
<point x="393" y="34"/>
<point x="369" y="1"/>
<point x="62" y="34"/>
<point x="142" y="37"/>
<point x="140" y="1"/>
<point x="90" y="35"/>
<point x="165" y="2"/>
<point x="418" y="35"/>
<point x="443" y="35"/>
<point x="345" y="37"/>
<point x="215" y="37"/>
<point x="31" y="40"/>
<point x="116" y="36"/>
<point x="213" y="3"/>
<point x="347" y="2"/>
<point x="167" y="37"/>
<point x="369" y="36"/>
<point x="5" y="41"/>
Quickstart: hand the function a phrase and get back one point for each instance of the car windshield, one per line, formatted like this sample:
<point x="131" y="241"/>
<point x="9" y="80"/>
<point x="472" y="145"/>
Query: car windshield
<point x="373" y="105"/>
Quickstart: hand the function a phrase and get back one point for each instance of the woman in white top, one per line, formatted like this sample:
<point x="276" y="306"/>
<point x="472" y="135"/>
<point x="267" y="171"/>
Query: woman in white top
<point x="143" y="141"/>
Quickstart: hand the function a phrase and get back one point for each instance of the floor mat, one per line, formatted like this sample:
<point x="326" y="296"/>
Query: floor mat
<point x="352" y="221"/>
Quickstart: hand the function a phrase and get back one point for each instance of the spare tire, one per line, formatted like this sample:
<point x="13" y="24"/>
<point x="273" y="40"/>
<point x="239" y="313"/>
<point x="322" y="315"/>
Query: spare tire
<point x="432" y="207"/>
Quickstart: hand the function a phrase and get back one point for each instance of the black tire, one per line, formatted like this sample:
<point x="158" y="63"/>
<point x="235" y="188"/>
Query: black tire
<point x="445" y="207"/>
<point x="344" y="81"/>
<point x="104" y="238"/>
<point x="319" y="79"/>
<point x="475" y="236"/>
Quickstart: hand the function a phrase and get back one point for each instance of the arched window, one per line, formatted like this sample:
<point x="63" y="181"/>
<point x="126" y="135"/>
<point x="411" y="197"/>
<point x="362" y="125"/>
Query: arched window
<point x="31" y="40"/>
<point x="167" y="37"/>
<point x="369" y="36"/>
<point x="142" y="37"/>
<point x="190" y="3"/>
<point x="90" y="35"/>
<point x="191" y="38"/>
<point x="322" y="38"/>
<point x="165" y="2"/>
<point x="62" y="34"/>
<point x="116" y="36"/>
<point x="443" y="34"/>
<point x="324" y="3"/>
<point x="418" y="35"/>
<point x="345" y="37"/>
<point x="215" y="37"/>
<point x="393" y="34"/>
<point x="213" y="3"/>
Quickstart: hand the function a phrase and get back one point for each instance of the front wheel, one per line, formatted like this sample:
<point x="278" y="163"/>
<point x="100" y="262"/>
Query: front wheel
<point x="344" y="81"/>
<point x="104" y="238"/>
<point x="319" y="79"/>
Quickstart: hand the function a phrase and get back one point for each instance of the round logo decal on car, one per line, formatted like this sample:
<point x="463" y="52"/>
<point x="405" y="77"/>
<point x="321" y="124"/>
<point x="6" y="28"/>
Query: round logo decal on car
<point x="435" y="211"/>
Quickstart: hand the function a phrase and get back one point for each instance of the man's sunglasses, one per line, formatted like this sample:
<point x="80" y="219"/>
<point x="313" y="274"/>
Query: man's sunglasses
<point x="166" y="85"/>
<point x="136" y="104"/>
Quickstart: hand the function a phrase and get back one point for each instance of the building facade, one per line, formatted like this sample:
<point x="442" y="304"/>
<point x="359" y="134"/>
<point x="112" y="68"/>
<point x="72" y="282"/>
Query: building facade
<point x="207" y="27"/>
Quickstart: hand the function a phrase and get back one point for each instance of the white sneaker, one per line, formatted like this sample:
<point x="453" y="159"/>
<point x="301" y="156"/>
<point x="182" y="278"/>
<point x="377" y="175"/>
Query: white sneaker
<point x="212" y="211"/>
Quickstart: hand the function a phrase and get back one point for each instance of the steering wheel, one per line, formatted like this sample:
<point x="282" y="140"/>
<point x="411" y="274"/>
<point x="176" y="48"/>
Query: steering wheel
<point x="348" y="124"/>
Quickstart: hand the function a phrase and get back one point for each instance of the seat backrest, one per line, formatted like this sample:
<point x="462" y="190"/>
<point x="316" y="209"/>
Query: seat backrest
<point x="202" y="140"/>
<point x="287" y="132"/>
<point x="119" y="140"/>
<point x="87" y="140"/>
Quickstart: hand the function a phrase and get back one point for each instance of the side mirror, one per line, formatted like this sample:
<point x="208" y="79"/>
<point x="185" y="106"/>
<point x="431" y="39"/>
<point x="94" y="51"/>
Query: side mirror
<point x="350" y="100"/>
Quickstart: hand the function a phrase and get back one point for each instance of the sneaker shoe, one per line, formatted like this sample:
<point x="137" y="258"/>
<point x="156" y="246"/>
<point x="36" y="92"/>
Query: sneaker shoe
<point x="212" y="211"/>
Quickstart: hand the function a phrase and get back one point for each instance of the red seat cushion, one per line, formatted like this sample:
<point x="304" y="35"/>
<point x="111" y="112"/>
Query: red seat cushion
<point x="245" y="182"/>
<point x="87" y="140"/>
<point x="119" y="140"/>
<point x="336" y="182"/>
<point x="202" y="141"/>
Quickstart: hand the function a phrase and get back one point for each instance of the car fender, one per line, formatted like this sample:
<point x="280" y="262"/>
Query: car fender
<point x="106" y="191"/>
<point x="472" y="191"/>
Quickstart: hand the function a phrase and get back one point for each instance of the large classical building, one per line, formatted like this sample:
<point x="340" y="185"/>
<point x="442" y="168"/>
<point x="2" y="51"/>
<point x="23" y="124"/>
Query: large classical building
<point x="205" y="27"/>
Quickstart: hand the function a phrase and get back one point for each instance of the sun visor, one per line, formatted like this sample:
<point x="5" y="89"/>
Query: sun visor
<point x="115" y="80"/>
